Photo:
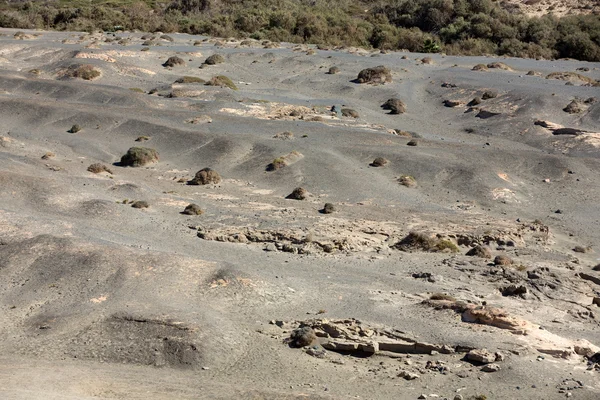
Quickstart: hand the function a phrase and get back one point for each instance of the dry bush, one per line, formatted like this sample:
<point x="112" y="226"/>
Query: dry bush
<point x="348" y="112"/>
<point x="570" y="77"/>
<point x="379" y="74"/>
<point x="298" y="194"/>
<point x="499" y="65"/>
<point x="408" y="181"/>
<point x="284" y="135"/>
<point x="277" y="163"/>
<point x="503" y="260"/>
<point x="205" y="176"/>
<point x="190" y="79"/>
<point x="222" y="81"/>
<point x="140" y="204"/>
<point x="86" y="72"/>
<point x="192" y="209"/>
<point x="442" y="296"/>
<point x="139" y="156"/>
<point x="98" y="168"/>
<point x="581" y="249"/>
<point x="214" y="59"/>
<point x="303" y="336"/>
<point x="480" y="251"/>
<point x="416" y="241"/>
<point x="174" y="61"/>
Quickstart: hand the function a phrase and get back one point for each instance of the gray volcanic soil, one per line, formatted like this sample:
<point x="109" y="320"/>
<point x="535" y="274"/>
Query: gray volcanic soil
<point x="102" y="300"/>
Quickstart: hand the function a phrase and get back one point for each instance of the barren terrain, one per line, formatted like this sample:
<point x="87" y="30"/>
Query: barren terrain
<point x="459" y="264"/>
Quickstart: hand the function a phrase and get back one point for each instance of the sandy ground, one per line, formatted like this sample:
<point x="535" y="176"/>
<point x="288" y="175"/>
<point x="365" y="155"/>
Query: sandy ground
<point x="102" y="300"/>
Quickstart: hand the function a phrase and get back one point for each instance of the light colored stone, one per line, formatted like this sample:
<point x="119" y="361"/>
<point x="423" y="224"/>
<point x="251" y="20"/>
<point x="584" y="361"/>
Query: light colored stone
<point x="409" y="376"/>
<point x="481" y="356"/>
<point x="491" y="368"/>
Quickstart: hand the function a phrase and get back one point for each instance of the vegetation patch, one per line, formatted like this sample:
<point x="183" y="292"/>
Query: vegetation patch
<point x="375" y="75"/>
<point x="86" y="72"/>
<point x="205" y="176"/>
<point x="222" y="81"/>
<point x="139" y="156"/>
<point x="456" y="27"/>
<point x="190" y="79"/>
<point x="174" y="61"/>
<point x="416" y="241"/>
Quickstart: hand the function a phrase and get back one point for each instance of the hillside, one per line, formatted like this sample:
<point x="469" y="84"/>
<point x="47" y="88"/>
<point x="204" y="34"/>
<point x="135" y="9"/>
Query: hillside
<point x="556" y="7"/>
<point x="456" y="27"/>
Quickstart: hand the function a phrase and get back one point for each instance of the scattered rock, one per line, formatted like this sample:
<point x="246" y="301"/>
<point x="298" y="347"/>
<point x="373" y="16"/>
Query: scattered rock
<point x="139" y="156"/>
<point x="574" y="107"/>
<point x="205" y="176"/>
<point x="484" y="114"/>
<point x="74" y="129"/>
<point x="412" y="143"/>
<point x="328" y="208"/>
<point x="379" y="162"/>
<point x="491" y="368"/>
<point x="396" y="106"/>
<point x="333" y="71"/>
<point x="316" y="351"/>
<point x="409" y="376"/>
<point x="452" y="103"/>
<point x="475" y="102"/>
<point x="480" y="67"/>
<point x="513" y="290"/>
<point x="481" y="356"/>
<point x="489" y="94"/>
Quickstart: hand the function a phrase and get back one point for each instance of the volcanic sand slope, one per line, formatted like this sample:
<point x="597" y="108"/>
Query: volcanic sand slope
<point x="101" y="299"/>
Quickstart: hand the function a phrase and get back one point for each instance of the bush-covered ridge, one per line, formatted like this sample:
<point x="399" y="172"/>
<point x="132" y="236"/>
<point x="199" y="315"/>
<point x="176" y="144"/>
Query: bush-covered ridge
<point x="469" y="27"/>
